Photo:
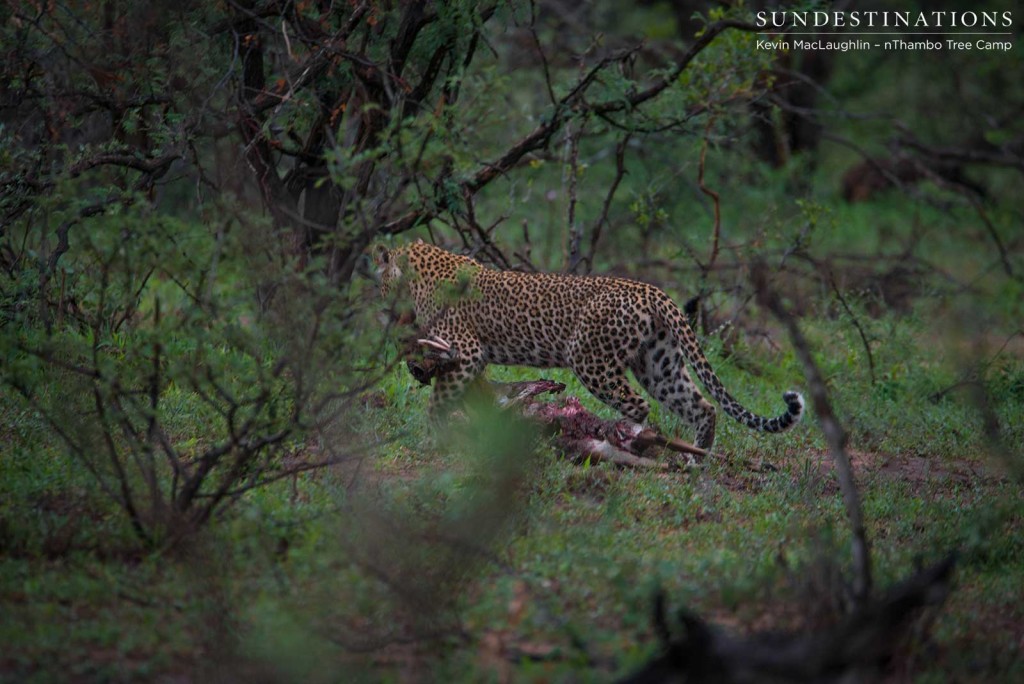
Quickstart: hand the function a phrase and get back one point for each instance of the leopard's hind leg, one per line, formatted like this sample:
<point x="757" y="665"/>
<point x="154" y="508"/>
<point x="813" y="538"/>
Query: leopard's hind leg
<point x="599" y="355"/>
<point x="661" y="370"/>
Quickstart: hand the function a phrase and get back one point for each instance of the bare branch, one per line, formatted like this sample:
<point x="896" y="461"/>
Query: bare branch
<point x="856" y="324"/>
<point x="575" y="231"/>
<point x="717" y="229"/>
<point x="602" y="220"/>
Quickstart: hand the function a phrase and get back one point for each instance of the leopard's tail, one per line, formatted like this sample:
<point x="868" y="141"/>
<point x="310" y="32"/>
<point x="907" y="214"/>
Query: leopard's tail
<point x="687" y="341"/>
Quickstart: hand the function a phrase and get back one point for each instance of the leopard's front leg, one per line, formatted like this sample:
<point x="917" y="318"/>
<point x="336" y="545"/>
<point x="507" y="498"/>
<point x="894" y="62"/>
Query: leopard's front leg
<point x="467" y="362"/>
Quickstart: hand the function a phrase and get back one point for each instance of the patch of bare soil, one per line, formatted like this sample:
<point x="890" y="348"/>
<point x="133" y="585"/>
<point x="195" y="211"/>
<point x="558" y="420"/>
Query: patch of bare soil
<point x="917" y="471"/>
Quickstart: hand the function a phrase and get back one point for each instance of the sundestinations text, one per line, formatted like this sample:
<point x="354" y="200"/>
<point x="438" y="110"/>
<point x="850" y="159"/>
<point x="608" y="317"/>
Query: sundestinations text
<point x="883" y="19"/>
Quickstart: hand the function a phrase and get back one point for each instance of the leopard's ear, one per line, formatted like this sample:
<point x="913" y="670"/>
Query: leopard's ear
<point x="381" y="255"/>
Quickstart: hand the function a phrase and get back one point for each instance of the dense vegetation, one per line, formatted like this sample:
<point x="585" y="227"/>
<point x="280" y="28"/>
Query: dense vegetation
<point x="214" y="464"/>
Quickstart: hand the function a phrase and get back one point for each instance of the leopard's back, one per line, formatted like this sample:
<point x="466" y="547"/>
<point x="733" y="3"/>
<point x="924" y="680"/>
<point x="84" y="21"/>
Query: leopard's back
<point x="530" y="319"/>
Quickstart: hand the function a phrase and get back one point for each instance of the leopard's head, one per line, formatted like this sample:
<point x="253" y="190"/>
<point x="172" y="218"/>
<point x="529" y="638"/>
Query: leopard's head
<point x="387" y="268"/>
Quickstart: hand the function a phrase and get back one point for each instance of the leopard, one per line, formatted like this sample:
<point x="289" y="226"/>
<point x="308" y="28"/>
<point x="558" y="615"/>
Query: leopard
<point x="599" y="327"/>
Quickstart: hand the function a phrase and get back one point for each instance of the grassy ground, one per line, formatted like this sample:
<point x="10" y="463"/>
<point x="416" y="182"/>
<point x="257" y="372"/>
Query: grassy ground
<point x="351" y="572"/>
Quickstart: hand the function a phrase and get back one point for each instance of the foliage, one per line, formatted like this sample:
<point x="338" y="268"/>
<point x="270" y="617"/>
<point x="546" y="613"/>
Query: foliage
<point x="160" y="380"/>
<point x="215" y="466"/>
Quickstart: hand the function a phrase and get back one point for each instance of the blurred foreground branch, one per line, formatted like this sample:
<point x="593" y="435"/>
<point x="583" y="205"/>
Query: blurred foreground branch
<point x="853" y="650"/>
<point x="834" y="433"/>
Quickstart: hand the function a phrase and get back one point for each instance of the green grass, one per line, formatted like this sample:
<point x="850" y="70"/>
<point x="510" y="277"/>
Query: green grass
<point x="561" y="585"/>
